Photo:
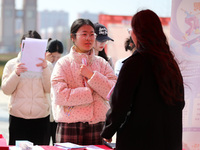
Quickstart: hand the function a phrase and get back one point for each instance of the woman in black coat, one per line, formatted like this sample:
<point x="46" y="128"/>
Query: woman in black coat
<point x="147" y="101"/>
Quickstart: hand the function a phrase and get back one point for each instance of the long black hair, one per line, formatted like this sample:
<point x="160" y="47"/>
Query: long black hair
<point x="151" y="39"/>
<point x="103" y="54"/>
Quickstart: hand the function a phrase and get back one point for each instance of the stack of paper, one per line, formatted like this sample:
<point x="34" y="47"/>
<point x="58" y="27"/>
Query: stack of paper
<point x="93" y="147"/>
<point x="31" y="51"/>
<point x="70" y="146"/>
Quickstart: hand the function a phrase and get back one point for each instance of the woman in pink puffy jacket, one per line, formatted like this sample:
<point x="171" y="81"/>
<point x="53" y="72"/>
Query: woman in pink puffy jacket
<point x="80" y="83"/>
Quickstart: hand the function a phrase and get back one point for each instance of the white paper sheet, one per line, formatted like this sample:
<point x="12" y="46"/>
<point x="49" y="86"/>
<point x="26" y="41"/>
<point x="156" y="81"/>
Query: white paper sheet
<point x="69" y="145"/>
<point x="31" y="51"/>
<point x="92" y="147"/>
<point x="33" y="148"/>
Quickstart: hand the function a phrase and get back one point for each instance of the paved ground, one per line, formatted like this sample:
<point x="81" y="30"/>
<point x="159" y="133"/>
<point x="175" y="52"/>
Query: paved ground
<point x="4" y="115"/>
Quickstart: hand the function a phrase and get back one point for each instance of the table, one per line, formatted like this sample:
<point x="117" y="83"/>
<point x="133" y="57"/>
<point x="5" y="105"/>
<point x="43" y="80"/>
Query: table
<point x="56" y="148"/>
<point x="4" y="146"/>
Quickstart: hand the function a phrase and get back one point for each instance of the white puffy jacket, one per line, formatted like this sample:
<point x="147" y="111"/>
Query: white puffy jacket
<point x="28" y="91"/>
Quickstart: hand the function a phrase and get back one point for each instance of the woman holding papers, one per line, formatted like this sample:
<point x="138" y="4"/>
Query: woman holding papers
<point x="80" y="83"/>
<point x="29" y="107"/>
<point x="147" y="102"/>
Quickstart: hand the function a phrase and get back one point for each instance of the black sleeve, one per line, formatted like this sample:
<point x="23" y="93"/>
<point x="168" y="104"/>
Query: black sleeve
<point x="122" y="97"/>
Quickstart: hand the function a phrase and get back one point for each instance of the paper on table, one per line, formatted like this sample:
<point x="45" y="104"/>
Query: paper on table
<point x="31" y="51"/>
<point x="70" y="146"/>
<point x="33" y="148"/>
<point x="93" y="147"/>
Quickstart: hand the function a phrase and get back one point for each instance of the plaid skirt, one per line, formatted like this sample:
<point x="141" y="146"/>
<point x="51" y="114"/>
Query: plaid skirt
<point x="79" y="133"/>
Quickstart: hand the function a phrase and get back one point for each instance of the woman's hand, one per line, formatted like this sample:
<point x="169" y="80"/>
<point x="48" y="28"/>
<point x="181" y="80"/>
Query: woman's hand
<point x="20" y="68"/>
<point x="49" y="57"/>
<point x="43" y="64"/>
<point x="85" y="72"/>
<point x="108" y="140"/>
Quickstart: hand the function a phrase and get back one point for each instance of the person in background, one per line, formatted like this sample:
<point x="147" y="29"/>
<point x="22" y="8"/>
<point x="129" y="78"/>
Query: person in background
<point x="29" y="106"/>
<point x="80" y="83"/>
<point x="53" y="53"/>
<point x="129" y="45"/>
<point x="101" y="41"/>
<point x="147" y="101"/>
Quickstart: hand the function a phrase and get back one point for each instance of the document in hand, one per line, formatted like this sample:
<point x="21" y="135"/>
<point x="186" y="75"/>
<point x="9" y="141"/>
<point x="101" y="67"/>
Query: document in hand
<point x="31" y="51"/>
<point x="70" y="146"/>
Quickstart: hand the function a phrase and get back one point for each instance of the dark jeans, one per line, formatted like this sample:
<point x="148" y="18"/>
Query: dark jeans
<point x="33" y="130"/>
